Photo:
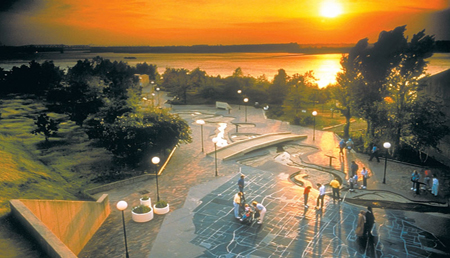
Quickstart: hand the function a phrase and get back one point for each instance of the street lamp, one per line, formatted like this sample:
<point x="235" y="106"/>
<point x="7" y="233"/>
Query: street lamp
<point x="386" y="145"/>
<point x="157" y="92"/>
<point x="215" y="140"/>
<point x="239" y="92"/>
<point x="245" y="101"/>
<point x="314" y="113"/>
<point x="121" y="206"/>
<point x="201" y="123"/>
<point x="155" y="161"/>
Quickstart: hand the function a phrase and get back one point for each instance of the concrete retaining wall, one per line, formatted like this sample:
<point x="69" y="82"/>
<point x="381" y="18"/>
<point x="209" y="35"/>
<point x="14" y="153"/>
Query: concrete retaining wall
<point x="62" y="228"/>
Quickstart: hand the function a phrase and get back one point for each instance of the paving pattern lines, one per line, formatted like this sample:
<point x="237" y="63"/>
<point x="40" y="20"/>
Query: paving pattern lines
<point x="399" y="237"/>
<point x="289" y="230"/>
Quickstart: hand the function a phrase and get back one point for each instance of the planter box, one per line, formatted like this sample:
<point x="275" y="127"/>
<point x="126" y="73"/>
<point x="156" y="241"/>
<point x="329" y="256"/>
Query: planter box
<point x="142" y="217"/>
<point x="147" y="203"/>
<point x="161" y="211"/>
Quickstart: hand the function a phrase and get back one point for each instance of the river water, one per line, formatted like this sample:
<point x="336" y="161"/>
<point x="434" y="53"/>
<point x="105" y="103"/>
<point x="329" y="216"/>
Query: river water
<point x="325" y="66"/>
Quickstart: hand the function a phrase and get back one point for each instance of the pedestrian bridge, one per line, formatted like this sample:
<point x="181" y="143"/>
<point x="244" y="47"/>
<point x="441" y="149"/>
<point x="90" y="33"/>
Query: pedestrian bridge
<point x="240" y="148"/>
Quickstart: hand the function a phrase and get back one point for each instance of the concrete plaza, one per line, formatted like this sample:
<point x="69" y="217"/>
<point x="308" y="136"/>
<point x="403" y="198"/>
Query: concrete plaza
<point x="201" y="221"/>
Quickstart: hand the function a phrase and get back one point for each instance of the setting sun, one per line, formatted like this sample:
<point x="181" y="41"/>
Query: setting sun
<point x="330" y="9"/>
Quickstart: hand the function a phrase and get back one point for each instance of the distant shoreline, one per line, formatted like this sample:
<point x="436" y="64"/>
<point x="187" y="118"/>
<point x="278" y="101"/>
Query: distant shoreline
<point x="17" y="52"/>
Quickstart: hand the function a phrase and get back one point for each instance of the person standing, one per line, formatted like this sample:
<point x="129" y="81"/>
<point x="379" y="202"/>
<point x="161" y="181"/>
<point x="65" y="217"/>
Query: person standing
<point x="237" y="203"/>
<point x="261" y="210"/>
<point x="415" y="179"/>
<point x="435" y="187"/>
<point x="349" y="144"/>
<point x="427" y="179"/>
<point x="241" y="183"/>
<point x="335" y="187"/>
<point x="365" y="175"/>
<point x="351" y="181"/>
<point x="370" y="220"/>
<point x="321" y="195"/>
<point x="374" y="153"/>
<point x="354" y="167"/>
<point x="305" y="195"/>
<point x="359" y="231"/>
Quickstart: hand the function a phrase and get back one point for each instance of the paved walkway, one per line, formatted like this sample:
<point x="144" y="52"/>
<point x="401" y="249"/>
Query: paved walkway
<point x="201" y="223"/>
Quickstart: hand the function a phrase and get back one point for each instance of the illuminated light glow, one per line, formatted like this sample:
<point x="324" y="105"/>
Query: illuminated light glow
<point x="220" y="140"/>
<point x="330" y="9"/>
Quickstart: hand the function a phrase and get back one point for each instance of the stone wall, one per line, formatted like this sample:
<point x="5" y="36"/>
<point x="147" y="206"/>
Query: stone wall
<point x="61" y="227"/>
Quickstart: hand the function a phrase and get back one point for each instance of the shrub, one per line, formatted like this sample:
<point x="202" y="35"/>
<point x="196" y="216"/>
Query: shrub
<point x="161" y="204"/>
<point x="141" y="209"/>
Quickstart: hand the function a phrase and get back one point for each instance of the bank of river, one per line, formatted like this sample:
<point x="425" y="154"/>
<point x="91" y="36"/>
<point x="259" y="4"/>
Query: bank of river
<point x="325" y="66"/>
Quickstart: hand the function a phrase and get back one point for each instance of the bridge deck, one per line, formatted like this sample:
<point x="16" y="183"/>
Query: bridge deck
<point x="240" y="148"/>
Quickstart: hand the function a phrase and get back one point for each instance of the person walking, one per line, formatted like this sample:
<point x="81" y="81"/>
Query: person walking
<point x="365" y="175"/>
<point x="305" y="195"/>
<point x="237" y="203"/>
<point x="341" y="147"/>
<point x="435" y="187"/>
<point x="321" y="195"/>
<point x="374" y="153"/>
<point x="370" y="220"/>
<point x="241" y="183"/>
<point x="354" y="167"/>
<point x="359" y="231"/>
<point x="335" y="187"/>
<point x="415" y="177"/>
<point x="261" y="210"/>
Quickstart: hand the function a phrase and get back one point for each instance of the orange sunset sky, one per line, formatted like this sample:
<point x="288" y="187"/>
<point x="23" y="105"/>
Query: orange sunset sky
<point x="182" y="22"/>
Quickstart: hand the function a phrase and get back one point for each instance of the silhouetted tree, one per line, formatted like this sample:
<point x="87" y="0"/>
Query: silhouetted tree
<point x="134" y="136"/>
<point x="177" y="82"/>
<point x="279" y="88"/>
<point x="150" y="70"/>
<point x="297" y="95"/>
<point x="46" y="126"/>
<point x="375" y="64"/>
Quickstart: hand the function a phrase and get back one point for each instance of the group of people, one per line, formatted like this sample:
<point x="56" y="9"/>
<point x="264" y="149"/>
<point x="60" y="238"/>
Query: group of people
<point x="321" y="196"/>
<point x="415" y="179"/>
<point x="240" y="205"/>
<point x="353" y="178"/>
<point x="365" y="223"/>
<point x="345" y="145"/>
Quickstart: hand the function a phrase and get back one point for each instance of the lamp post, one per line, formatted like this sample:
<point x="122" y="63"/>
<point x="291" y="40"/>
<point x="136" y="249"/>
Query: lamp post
<point x="314" y="113"/>
<point x="215" y="140"/>
<point x="155" y="161"/>
<point x="245" y="101"/>
<point x="239" y="92"/>
<point x="153" y="99"/>
<point x="386" y="145"/>
<point x="121" y="206"/>
<point x="157" y="92"/>
<point x="144" y="101"/>
<point x="201" y="123"/>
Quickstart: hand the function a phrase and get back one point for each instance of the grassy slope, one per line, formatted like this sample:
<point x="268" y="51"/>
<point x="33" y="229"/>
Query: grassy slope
<point x="31" y="169"/>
